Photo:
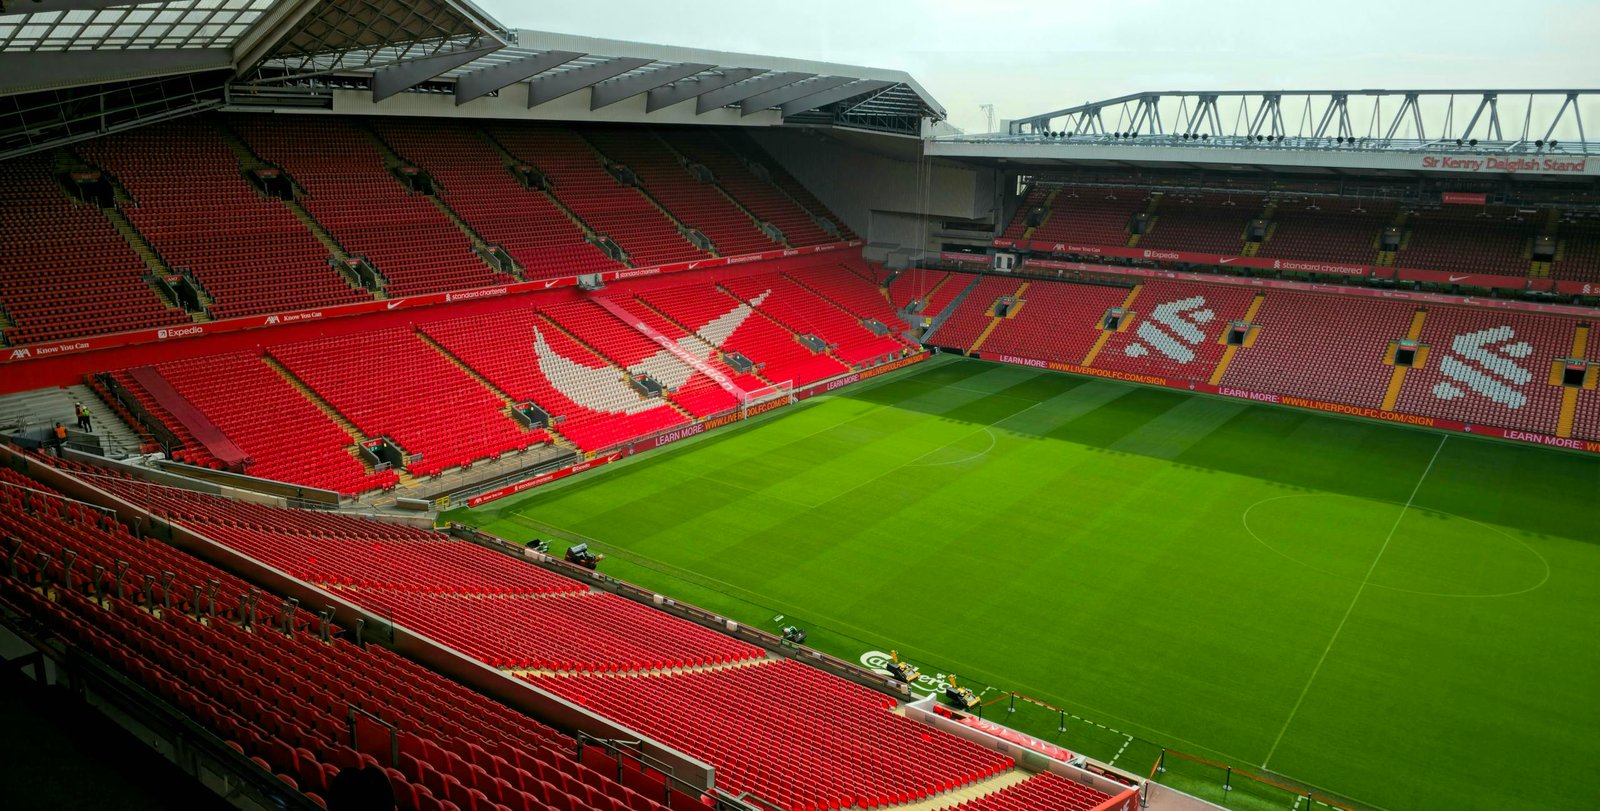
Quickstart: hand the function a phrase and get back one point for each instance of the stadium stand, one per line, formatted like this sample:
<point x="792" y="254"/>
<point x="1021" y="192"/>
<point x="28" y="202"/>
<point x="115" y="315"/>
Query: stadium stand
<point x="738" y="326"/>
<point x="1487" y="367"/>
<point x="1201" y="222"/>
<point x="582" y="183"/>
<point x="480" y="188"/>
<point x="64" y="269"/>
<point x="1587" y="416"/>
<point x="964" y="325"/>
<point x="354" y="196"/>
<point x="1058" y="322"/>
<point x="1041" y="791"/>
<point x="1036" y="199"/>
<point x="697" y="204"/>
<point x="1326" y="229"/>
<point x="854" y="291"/>
<point x="1578" y="250"/>
<point x="789" y="733"/>
<point x="287" y="438"/>
<point x="1467" y="239"/>
<point x="806" y="313"/>
<point x="1323" y="347"/>
<point x="376" y="379"/>
<point x="1091" y="216"/>
<point x="284" y="699"/>
<point x="761" y="197"/>
<point x="1176" y="331"/>
<point x="192" y="204"/>
<point x="528" y="358"/>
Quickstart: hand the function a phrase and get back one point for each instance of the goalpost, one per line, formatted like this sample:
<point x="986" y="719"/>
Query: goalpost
<point x="783" y="390"/>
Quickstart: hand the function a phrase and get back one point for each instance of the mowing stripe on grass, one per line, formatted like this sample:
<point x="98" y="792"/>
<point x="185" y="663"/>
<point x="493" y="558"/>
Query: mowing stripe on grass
<point x="1352" y="607"/>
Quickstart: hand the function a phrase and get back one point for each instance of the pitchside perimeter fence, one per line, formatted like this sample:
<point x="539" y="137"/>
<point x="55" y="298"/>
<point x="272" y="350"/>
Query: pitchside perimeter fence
<point x="1209" y="779"/>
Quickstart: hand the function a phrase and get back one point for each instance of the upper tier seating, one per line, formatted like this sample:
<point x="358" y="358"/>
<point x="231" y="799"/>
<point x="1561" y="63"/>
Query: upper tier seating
<point x="390" y="383"/>
<point x="1041" y="792"/>
<point x="965" y="324"/>
<point x="284" y="700"/>
<point x="64" y="270"/>
<point x="1058" y="322"/>
<point x="1328" y="348"/>
<point x="734" y="326"/>
<point x="854" y="291"/>
<point x="1035" y="199"/>
<point x="199" y="213"/>
<point x="480" y="188"/>
<point x="761" y="197"/>
<point x="583" y="631"/>
<point x="353" y="195"/>
<point x="1468" y="239"/>
<point x="1177" y="329"/>
<point x="804" y="312"/>
<point x="630" y="349"/>
<point x="790" y="733"/>
<point x="695" y="204"/>
<point x="1578" y="250"/>
<point x="1204" y="223"/>
<point x="1489" y="367"/>
<point x="583" y="185"/>
<point x="1092" y="216"/>
<point x="286" y="436"/>
<point x="1327" y="229"/>
<point x="528" y="358"/>
<point x="935" y="287"/>
<point x="802" y="195"/>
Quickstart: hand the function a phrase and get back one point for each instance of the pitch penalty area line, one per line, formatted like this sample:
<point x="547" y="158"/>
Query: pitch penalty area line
<point x="1352" y="607"/>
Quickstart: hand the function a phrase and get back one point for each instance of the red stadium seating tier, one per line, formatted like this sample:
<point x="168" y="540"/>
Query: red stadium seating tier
<point x="788" y="733"/>
<point x="1092" y="216"/>
<point x="804" y="312"/>
<point x="1058" y="322"/>
<point x="608" y="207"/>
<point x="630" y="349"/>
<point x="693" y="395"/>
<point x="1468" y="239"/>
<point x="696" y="204"/>
<point x="852" y="290"/>
<point x="964" y="325"/>
<point x="1041" y="792"/>
<point x="188" y="450"/>
<point x="388" y="382"/>
<point x="64" y="270"/>
<point x="935" y="287"/>
<point x="1019" y="221"/>
<point x="734" y="326"/>
<point x="1489" y="367"/>
<point x="284" y="700"/>
<point x="480" y="188"/>
<point x="1329" y="348"/>
<point x="573" y="632"/>
<point x="761" y="197"/>
<point x="1578" y="250"/>
<point x="286" y="436"/>
<point x="802" y="195"/>
<point x="352" y="194"/>
<point x="1209" y="223"/>
<point x="199" y="213"/>
<point x="592" y="404"/>
<point x="1327" y="229"/>
<point x="1176" y="330"/>
<point x="1587" y="423"/>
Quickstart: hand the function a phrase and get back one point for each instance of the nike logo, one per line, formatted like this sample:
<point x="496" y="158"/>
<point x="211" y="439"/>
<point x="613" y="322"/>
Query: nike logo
<point x="390" y="305"/>
<point x="551" y="283"/>
<point x="1226" y="260"/>
<point x="1459" y="278"/>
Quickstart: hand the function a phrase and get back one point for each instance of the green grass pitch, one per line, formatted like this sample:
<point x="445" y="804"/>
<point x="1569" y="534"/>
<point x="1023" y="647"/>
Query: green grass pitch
<point x="1401" y="618"/>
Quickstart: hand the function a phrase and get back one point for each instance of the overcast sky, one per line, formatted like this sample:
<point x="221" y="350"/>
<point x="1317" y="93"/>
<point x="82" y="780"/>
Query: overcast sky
<point x="1030" y="57"/>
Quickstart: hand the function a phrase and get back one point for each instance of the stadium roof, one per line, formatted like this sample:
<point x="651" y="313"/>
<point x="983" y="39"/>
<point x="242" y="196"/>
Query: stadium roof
<point x="75" y="69"/>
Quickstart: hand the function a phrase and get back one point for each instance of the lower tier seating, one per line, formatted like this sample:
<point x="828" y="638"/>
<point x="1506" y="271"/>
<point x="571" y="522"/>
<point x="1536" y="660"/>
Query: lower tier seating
<point x="1177" y="330"/>
<point x="1057" y="322"/>
<point x="576" y="631"/>
<point x="285" y="435"/>
<point x="390" y="383"/>
<point x="789" y="733"/>
<point x="1327" y="348"/>
<point x="1489" y="368"/>
<point x="806" y="313"/>
<point x="853" y="290"/>
<point x="1587" y="424"/>
<point x="733" y="325"/>
<point x="1041" y="792"/>
<point x="282" y="699"/>
<point x="970" y="319"/>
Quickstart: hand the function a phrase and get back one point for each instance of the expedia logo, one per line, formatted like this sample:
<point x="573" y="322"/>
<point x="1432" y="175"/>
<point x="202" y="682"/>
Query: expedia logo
<point x="183" y="332"/>
<point x="1160" y="255"/>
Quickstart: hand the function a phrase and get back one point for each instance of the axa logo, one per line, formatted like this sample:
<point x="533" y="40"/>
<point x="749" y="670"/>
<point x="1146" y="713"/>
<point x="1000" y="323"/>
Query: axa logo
<point x="1176" y="332"/>
<point x="1486" y="362"/>
<point x="271" y="319"/>
<point x="19" y="354"/>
